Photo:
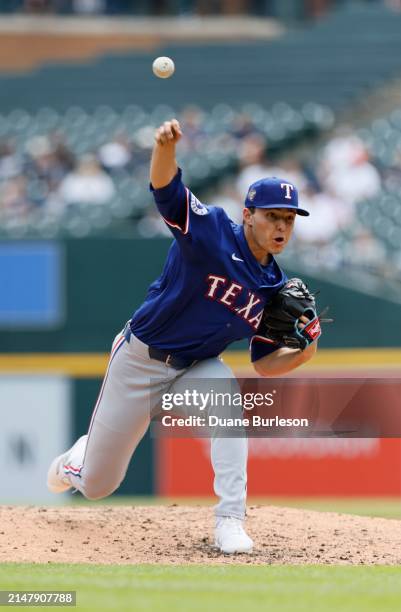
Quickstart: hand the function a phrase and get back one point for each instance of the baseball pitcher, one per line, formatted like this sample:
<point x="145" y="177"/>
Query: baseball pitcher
<point x="220" y="283"/>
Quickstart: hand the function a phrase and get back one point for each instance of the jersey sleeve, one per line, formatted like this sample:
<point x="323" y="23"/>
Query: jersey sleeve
<point x="188" y="219"/>
<point x="259" y="347"/>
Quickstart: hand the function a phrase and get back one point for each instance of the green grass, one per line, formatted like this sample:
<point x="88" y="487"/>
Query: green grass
<point x="230" y="588"/>
<point x="384" y="507"/>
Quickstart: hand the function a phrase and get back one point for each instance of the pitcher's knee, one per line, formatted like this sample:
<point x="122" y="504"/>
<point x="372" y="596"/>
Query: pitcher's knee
<point x="93" y="488"/>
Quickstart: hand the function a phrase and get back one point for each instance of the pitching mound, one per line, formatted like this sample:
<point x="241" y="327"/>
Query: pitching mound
<point x="182" y="535"/>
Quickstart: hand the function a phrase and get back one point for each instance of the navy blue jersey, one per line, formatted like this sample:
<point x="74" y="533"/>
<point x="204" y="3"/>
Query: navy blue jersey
<point x="212" y="290"/>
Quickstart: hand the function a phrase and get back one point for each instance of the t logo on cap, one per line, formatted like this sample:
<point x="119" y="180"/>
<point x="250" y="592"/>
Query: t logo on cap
<point x="288" y="188"/>
<point x="274" y="192"/>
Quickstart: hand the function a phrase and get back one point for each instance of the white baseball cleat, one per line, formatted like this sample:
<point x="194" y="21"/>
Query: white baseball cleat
<point x="230" y="536"/>
<point x="57" y="479"/>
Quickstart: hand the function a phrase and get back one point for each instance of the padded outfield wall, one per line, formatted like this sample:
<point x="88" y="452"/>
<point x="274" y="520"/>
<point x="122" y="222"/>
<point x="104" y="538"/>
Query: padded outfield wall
<point x="96" y="284"/>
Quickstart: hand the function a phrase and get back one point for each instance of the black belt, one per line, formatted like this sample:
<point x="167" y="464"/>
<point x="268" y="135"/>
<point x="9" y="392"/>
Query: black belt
<point x="178" y="363"/>
<point x="172" y="361"/>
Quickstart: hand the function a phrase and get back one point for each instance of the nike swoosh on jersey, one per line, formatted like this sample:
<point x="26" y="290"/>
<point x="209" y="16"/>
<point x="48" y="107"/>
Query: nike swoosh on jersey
<point x="235" y="258"/>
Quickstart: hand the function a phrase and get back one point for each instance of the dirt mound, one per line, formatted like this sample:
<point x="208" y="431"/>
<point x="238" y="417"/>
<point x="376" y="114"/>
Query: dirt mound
<point x="182" y="535"/>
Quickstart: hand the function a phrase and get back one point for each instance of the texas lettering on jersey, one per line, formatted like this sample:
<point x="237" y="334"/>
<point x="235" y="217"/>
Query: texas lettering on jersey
<point x="226" y="293"/>
<point x="212" y="290"/>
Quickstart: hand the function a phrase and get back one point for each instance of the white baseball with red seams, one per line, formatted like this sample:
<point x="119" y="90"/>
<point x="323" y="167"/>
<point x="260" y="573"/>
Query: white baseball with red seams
<point x="163" y="67"/>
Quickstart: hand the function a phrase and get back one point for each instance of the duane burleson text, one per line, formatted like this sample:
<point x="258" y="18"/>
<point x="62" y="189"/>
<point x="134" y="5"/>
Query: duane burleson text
<point x="214" y="421"/>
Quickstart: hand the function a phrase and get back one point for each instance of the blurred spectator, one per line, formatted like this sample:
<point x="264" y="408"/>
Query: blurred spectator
<point x="192" y="121"/>
<point x="229" y="199"/>
<point x="324" y="223"/>
<point x="364" y="251"/>
<point x="116" y="154"/>
<point x="47" y="161"/>
<point x="15" y="205"/>
<point x="255" y="166"/>
<point x="243" y="126"/>
<point x="253" y="163"/>
<point x="87" y="184"/>
<point x="10" y="162"/>
<point x="63" y="154"/>
<point x="346" y="169"/>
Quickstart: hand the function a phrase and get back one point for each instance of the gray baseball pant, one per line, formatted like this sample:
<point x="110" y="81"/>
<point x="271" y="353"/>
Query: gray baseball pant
<point x="132" y="390"/>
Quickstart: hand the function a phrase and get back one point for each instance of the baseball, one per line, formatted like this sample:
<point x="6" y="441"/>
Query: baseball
<point x="163" y="67"/>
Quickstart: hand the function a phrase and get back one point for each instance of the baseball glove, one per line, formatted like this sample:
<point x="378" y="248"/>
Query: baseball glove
<point x="281" y="317"/>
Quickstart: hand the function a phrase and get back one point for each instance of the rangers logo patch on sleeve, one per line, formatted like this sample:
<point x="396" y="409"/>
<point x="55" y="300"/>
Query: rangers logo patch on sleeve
<point x="197" y="207"/>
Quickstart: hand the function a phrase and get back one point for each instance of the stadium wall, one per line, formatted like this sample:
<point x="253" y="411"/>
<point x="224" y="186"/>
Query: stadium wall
<point x="97" y="283"/>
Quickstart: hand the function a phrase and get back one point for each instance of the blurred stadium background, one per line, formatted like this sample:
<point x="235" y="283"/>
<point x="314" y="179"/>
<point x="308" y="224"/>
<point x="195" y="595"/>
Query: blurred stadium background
<point x="309" y="90"/>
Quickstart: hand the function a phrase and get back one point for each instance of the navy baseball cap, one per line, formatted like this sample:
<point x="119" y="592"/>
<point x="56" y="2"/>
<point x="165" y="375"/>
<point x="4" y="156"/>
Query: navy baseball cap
<point x="274" y="193"/>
